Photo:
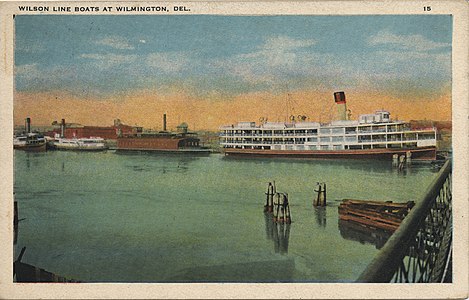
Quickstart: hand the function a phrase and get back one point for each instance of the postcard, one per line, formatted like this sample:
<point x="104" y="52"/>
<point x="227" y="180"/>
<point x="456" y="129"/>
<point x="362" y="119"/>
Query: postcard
<point x="190" y="149"/>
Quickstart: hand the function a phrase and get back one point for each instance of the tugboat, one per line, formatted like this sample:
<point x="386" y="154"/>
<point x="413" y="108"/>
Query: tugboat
<point x="29" y="141"/>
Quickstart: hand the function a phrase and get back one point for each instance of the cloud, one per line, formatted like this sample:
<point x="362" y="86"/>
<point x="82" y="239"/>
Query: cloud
<point x="27" y="71"/>
<point x="415" y="42"/>
<point x="275" y="57"/>
<point x="115" y="42"/>
<point x="109" y="60"/>
<point x="169" y="62"/>
<point x="284" y="43"/>
<point x="271" y="65"/>
<point x="280" y="51"/>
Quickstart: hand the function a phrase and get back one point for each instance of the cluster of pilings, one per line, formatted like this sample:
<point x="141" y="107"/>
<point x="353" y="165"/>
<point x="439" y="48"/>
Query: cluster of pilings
<point x="281" y="209"/>
<point x="400" y="161"/>
<point x="320" y="199"/>
<point x="277" y="204"/>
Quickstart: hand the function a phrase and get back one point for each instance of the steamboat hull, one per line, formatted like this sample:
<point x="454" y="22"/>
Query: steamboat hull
<point x="81" y="149"/>
<point x="161" y="145"/>
<point x="423" y="154"/>
<point x="166" y="151"/>
<point x="31" y="148"/>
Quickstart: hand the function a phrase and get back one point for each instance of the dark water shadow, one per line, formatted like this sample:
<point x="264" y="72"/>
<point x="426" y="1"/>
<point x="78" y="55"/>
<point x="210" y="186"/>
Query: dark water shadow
<point x="142" y="161"/>
<point x="366" y="165"/>
<point x="280" y="270"/>
<point x="364" y="235"/>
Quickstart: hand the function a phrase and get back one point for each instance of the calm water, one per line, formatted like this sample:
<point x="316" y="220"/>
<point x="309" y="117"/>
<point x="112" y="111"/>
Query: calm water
<point x="101" y="217"/>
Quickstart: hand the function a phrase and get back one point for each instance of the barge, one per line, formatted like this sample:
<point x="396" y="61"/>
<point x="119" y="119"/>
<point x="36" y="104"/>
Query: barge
<point x="371" y="136"/>
<point x="163" y="141"/>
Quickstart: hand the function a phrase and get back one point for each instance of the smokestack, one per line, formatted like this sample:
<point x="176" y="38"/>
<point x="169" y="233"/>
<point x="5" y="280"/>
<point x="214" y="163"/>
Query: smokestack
<point x="28" y="125"/>
<point x="339" y="98"/>
<point x="164" y="122"/>
<point x="62" y="128"/>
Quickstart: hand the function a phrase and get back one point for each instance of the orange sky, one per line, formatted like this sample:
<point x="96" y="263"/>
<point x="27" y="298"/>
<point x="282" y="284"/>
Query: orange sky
<point x="145" y="108"/>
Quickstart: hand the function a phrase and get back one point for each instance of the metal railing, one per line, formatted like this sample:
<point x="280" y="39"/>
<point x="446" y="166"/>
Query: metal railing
<point x="420" y="249"/>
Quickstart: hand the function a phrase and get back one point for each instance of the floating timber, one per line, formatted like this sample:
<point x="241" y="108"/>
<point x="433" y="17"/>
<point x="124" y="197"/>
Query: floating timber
<point x="374" y="214"/>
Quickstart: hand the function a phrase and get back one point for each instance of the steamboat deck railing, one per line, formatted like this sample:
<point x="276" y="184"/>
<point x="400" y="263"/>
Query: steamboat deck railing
<point x="420" y="249"/>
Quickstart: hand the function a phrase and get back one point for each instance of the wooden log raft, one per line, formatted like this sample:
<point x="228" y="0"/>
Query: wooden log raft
<point x="383" y="215"/>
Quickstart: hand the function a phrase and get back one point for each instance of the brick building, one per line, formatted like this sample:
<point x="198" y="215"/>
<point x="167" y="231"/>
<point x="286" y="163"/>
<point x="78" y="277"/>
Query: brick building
<point x="79" y="131"/>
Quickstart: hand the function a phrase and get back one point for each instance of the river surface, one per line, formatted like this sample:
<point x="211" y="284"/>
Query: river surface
<point x="111" y="217"/>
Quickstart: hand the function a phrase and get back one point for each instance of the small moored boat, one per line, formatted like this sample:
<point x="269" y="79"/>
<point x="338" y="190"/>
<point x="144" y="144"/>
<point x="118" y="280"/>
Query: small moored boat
<point x="29" y="142"/>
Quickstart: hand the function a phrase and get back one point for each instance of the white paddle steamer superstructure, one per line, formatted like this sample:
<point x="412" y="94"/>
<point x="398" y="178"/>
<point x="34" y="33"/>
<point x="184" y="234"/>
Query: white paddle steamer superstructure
<point x="371" y="136"/>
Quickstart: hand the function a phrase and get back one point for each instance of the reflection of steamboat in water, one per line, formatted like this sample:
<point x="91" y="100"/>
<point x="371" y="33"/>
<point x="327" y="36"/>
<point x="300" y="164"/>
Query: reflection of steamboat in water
<point x="371" y="136"/>
<point x="168" y="142"/>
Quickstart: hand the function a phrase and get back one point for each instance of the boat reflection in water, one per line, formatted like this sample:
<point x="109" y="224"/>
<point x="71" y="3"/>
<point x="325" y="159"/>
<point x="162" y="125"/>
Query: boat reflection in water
<point x="356" y="232"/>
<point x="278" y="233"/>
<point x="150" y="161"/>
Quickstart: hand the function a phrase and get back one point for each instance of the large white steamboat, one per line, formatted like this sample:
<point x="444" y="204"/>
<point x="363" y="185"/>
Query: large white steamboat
<point x="371" y="136"/>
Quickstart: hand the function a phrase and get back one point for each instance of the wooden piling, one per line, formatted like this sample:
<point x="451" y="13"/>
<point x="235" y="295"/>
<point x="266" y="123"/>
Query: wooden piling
<point x="395" y="160"/>
<point x="320" y="199"/>
<point x="15" y="223"/>
<point x="281" y="216"/>
<point x="325" y="195"/>
<point x="269" y="202"/>
<point x="401" y="162"/>
<point x="286" y="204"/>
<point x="15" y="218"/>
<point x="408" y="157"/>
<point x="276" y="208"/>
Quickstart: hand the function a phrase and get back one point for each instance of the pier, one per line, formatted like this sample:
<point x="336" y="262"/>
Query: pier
<point x="419" y="251"/>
